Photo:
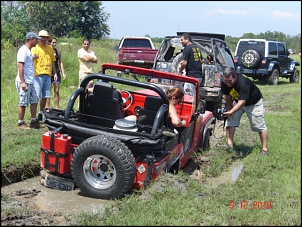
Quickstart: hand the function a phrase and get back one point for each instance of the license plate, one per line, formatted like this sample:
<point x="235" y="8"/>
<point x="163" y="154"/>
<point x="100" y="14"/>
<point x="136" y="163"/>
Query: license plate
<point x="58" y="183"/>
<point x="247" y="71"/>
<point x="139" y="61"/>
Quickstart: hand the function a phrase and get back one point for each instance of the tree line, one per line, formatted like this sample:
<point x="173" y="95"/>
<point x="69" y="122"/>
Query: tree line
<point x="75" y="19"/>
<point x="71" y="19"/>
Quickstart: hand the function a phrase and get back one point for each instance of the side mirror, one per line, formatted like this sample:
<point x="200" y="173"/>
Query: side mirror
<point x="115" y="48"/>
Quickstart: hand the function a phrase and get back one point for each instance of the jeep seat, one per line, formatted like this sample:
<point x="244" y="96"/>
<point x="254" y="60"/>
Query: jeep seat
<point x="147" y="114"/>
<point x="104" y="103"/>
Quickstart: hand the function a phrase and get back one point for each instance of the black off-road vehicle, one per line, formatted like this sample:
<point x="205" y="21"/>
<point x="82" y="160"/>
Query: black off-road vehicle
<point x="265" y="60"/>
<point x="121" y="137"/>
<point x="169" y="57"/>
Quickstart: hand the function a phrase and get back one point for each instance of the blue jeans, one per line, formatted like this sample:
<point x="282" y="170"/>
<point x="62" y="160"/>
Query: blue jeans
<point x="42" y="85"/>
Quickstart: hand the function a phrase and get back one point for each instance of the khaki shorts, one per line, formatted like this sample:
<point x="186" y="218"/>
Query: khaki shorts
<point x="255" y="114"/>
<point x="81" y="78"/>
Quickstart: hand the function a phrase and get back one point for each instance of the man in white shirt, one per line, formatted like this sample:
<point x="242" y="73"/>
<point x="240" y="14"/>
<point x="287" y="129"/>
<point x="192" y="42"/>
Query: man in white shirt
<point x="25" y="83"/>
<point x="86" y="60"/>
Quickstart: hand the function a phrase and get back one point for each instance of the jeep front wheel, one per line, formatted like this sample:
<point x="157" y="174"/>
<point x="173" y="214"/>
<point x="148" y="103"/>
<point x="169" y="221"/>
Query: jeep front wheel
<point x="250" y="58"/>
<point x="294" y="77"/>
<point x="103" y="168"/>
<point x="273" y="78"/>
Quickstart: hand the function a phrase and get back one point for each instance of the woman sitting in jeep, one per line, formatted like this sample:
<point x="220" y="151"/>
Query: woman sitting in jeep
<point x="175" y="96"/>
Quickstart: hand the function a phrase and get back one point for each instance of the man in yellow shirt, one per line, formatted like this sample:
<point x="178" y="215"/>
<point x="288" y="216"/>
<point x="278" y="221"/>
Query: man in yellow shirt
<point x="44" y="63"/>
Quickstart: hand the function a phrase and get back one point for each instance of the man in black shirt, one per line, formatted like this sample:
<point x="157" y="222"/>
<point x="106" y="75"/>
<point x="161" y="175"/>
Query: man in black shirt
<point x="247" y="99"/>
<point x="192" y="57"/>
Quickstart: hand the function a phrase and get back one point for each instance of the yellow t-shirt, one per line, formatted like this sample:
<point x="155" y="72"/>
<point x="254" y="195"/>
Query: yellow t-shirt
<point x="43" y="64"/>
<point x="85" y="67"/>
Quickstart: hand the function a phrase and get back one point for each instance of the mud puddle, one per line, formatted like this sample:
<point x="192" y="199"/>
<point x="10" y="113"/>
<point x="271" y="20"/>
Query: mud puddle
<point x="230" y="175"/>
<point x="52" y="200"/>
<point x="70" y="202"/>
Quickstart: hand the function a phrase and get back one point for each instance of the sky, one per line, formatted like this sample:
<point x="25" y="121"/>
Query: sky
<point x="232" y="18"/>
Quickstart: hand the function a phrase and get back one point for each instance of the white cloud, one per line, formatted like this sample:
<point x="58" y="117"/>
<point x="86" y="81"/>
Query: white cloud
<point x="286" y="15"/>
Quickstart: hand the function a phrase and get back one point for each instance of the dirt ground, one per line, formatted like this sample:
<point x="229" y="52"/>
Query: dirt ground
<point x="18" y="209"/>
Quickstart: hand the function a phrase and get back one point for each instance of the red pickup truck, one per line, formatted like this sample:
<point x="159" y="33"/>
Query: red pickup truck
<point x="136" y="51"/>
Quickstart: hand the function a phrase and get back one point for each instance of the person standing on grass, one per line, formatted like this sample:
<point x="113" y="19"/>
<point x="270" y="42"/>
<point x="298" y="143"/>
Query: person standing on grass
<point x="86" y="60"/>
<point x="44" y="59"/>
<point x="192" y="58"/>
<point x="247" y="99"/>
<point x="25" y="82"/>
<point x="60" y="68"/>
<point x="191" y="62"/>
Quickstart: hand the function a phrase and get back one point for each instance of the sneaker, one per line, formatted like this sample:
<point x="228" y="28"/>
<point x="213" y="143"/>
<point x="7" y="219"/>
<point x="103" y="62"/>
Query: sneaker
<point x="40" y="116"/>
<point x="36" y="124"/>
<point x="264" y="153"/>
<point x="23" y="125"/>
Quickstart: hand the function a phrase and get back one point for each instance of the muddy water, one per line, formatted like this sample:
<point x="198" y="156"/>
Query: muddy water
<point x="231" y="175"/>
<point x="67" y="202"/>
<point x="70" y="202"/>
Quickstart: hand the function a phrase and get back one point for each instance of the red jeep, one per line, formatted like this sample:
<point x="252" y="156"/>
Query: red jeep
<point x="98" y="149"/>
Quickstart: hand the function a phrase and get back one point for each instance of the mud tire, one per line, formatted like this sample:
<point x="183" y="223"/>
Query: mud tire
<point x="103" y="168"/>
<point x="294" y="77"/>
<point x="273" y="78"/>
<point x="206" y="141"/>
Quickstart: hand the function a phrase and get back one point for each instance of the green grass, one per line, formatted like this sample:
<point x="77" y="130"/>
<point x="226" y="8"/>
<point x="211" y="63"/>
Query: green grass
<point x="275" y="179"/>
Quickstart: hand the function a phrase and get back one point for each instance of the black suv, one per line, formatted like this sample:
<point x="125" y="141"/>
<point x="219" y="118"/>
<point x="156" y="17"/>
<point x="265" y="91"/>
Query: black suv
<point x="265" y="60"/>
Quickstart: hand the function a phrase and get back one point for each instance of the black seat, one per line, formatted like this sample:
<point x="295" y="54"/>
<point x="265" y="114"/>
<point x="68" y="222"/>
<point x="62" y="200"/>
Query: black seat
<point x="106" y="103"/>
<point x="147" y="114"/>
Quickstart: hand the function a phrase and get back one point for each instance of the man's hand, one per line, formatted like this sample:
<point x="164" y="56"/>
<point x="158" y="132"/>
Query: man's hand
<point x="228" y="114"/>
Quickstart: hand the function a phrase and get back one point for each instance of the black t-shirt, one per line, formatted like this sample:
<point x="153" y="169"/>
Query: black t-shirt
<point x="243" y="89"/>
<point x="192" y="55"/>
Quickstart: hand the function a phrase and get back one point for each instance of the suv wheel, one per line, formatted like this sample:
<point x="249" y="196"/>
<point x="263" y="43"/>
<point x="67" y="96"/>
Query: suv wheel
<point x="103" y="168"/>
<point x="294" y="77"/>
<point x="273" y="78"/>
<point x="250" y="59"/>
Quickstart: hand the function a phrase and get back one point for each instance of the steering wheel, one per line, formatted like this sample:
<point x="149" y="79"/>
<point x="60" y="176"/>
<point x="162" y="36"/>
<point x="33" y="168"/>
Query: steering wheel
<point x="128" y="97"/>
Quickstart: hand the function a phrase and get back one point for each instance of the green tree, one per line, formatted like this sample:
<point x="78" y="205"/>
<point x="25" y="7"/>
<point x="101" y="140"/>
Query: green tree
<point x="14" y="23"/>
<point x="90" y="20"/>
<point x="69" y="18"/>
<point x="50" y="16"/>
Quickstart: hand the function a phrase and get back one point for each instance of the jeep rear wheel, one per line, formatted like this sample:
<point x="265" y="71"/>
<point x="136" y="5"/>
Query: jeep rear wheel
<point x="273" y="78"/>
<point x="294" y="77"/>
<point x="250" y="58"/>
<point x="103" y="168"/>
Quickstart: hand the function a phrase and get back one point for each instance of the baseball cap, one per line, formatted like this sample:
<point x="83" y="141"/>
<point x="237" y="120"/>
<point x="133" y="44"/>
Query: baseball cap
<point x="32" y="35"/>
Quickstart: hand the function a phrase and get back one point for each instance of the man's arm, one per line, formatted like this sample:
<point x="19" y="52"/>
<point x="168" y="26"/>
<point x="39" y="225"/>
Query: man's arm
<point x="21" y="75"/>
<point x="182" y="66"/>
